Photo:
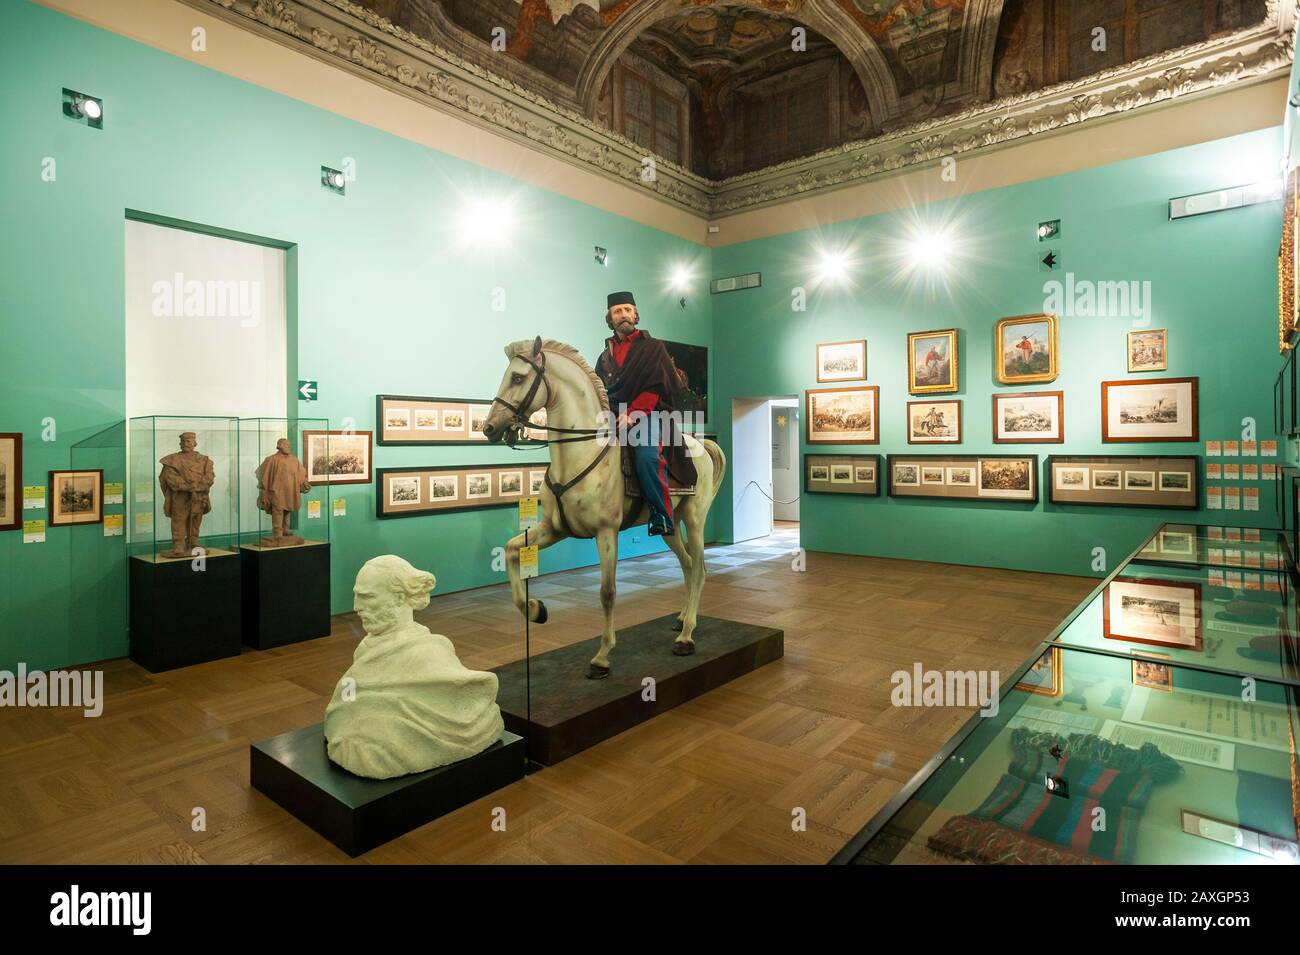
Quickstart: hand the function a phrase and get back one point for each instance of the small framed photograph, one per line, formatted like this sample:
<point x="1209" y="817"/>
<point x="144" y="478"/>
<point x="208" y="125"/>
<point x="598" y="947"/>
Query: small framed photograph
<point x="453" y="420"/>
<point x="842" y="415"/>
<point x="1030" y="417"/>
<point x="1044" y="677"/>
<point x="1139" y="480"/>
<point x="932" y="361"/>
<point x="426" y="419"/>
<point x="404" y="490"/>
<point x="819" y="472"/>
<point x="1105" y="479"/>
<point x="337" y="457"/>
<point x="11" y="481"/>
<point x="510" y="483"/>
<point x="841" y="474"/>
<point x="397" y="419"/>
<point x="1177" y="543"/>
<point x="1150" y="409"/>
<point x="907" y="475"/>
<point x="1025" y="349"/>
<point x="1011" y="478"/>
<point x="478" y="415"/>
<point x="864" y="474"/>
<point x="1149" y="673"/>
<point x="478" y="486"/>
<point x="1148" y="350"/>
<point x="536" y="481"/>
<point x="1071" y="479"/>
<point x="931" y="475"/>
<point x="962" y="475"/>
<point x="1175" y="481"/>
<point x="444" y="487"/>
<point x="934" y="422"/>
<point x="76" y="497"/>
<point x="842" y="361"/>
<point x="1159" y="612"/>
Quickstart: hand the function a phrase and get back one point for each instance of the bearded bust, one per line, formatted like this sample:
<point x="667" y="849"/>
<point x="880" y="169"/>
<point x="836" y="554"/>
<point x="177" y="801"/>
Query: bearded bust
<point x="407" y="704"/>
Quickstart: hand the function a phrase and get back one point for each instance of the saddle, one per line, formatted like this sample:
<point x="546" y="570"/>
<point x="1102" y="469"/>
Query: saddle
<point x="681" y="472"/>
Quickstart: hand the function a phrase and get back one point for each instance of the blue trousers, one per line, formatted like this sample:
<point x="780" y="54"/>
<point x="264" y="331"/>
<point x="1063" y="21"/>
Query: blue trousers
<point x="652" y="474"/>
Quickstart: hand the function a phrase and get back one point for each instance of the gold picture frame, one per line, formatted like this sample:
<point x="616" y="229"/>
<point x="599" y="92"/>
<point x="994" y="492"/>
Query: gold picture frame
<point x="926" y="373"/>
<point x="1035" y="357"/>
<point x="1287" y="266"/>
<point x="1044" y="678"/>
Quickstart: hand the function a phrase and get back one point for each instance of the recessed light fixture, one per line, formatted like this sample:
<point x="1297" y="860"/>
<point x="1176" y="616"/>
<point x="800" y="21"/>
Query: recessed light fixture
<point x="333" y="180"/>
<point x="84" y="108"/>
<point x="1050" y="229"/>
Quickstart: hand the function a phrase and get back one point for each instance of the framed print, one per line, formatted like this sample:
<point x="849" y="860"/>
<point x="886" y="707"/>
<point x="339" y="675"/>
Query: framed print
<point x="1149" y="673"/>
<point x="934" y="422"/>
<point x="420" y="420"/>
<point x="1006" y="477"/>
<point x="536" y="481"/>
<point x="421" y="491"/>
<point x="1029" y="417"/>
<point x="76" y="497"/>
<point x="1044" y="677"/>
<point x="842" y="473"/>
<point x="1025" y="349"/>
<point x="1150" y="409"/>
<point x="1139" y="480"/>
<point x="1175" y="481"/>
<point x="1070" y="479"/>
<point x="932" y="361"/>
<point x="842" y="361"/>
<point x="1287" y="265"/>
<point x="932" y="475"/>
<point x="1148" y="350"/>
<point x="11" y="481"/>
<point x="967" y="477"/>
<point x="1159" y="612"/>
<point x="906" y="475"/>
<point x="1106" y="479"/>
<point x="691" y="396"/>
<point x="960" y="476"/>
<point x="337" y="457"/>
<point x="842" y="415"/>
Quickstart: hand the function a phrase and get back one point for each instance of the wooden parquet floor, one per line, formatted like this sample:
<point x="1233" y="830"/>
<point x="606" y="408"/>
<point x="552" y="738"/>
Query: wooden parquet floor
<point x="713" y="781"/>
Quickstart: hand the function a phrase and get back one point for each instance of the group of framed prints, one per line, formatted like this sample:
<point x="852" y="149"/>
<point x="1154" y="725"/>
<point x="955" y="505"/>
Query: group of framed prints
<point x="411" y="492"/>
<point x="416" y="420"/>
<point x="842" y="474"/>
<point x="983" y="477"/>
<point x="75" y="497"/>
<point x="1132" y="480"/>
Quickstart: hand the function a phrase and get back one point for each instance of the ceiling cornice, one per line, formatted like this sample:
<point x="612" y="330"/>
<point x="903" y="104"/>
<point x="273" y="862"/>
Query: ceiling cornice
<point x="355" y="39"/>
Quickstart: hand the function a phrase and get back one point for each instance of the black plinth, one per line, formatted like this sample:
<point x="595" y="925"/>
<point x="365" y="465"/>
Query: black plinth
<point x="358" y="814"/>
<point x="286" y="594"/>
<point x="181" y="616"/>
<point x="571" y="713"/>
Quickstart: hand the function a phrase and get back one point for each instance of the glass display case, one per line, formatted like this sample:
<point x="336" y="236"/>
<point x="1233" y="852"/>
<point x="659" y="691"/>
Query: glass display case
<point x="1235" y="547"/>
<point x="183" y="487"/>
<point x="278" y="507"/>
<point x="1158" y="725"/>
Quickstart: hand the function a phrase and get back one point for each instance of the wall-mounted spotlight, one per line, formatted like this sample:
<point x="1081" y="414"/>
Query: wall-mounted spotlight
<point x="929" y="249"/>
<point x="602" y="256"/>
<point x="333" y="180"/>
<point x="487" y="221"/>
<point x="83" y="108"/>
<point x="832" y="266"/>
<point x="1051" y="229"/>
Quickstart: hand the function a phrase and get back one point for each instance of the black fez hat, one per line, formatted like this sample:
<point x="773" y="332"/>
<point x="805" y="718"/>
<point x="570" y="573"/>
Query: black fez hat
<point x="620" y="298"/>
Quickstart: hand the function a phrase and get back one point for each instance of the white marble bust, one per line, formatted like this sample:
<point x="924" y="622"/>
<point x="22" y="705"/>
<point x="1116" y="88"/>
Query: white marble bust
<point x="406" y="704"/>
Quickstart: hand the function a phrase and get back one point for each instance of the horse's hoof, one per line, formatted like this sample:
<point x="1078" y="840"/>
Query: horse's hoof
<point x="677" y="626"/>
<point x="541" y="613"/>
<point x="683" y="648"/>
<point x="597" y="672"/>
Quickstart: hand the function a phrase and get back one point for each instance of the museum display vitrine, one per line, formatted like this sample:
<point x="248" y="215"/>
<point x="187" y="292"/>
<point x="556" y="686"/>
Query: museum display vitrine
<point x="1232" y="548"/>
<point x="1157" y="725"/>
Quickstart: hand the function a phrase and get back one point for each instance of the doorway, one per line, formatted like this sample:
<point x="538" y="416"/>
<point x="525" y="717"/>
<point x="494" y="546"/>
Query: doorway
<point x="766" y="472"/>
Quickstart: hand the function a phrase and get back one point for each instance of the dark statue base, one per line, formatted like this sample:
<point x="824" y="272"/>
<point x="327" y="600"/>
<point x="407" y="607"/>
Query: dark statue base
<point x="357" y="814"/>
<point x="571" y="712"/>
<point x="286" y="594"/>
<point x="181" y="616"/>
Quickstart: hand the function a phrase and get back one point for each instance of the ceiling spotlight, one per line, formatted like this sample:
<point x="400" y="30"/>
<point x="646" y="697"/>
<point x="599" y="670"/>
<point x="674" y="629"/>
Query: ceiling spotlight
<point x="832" y="266"/>
<point x="89" y="108"/>
<point x="83" y="108"/>
<point x="930" y="249"/>
<point x="487" y="221"/>
<point x="681" y="278"/>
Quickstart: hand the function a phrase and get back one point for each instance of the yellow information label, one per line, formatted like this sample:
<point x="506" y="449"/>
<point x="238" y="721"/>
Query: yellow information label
<point x="527" y="513"/>
<point x="528" y="561"/>
<point x="113" y="525"/>
<point x="113" y="493"/>
<point x="340" y="507"/>
<point x="34" y="497"/>
<point x="313" y="510"/>
<point x="34" y="533"/>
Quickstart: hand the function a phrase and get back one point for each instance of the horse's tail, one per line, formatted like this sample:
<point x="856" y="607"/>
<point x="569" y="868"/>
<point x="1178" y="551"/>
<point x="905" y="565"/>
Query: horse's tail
<point x="719" y="462"/>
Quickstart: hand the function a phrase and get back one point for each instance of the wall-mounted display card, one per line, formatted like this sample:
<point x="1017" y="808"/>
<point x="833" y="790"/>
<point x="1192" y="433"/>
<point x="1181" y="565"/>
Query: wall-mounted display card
<point x="842" y="474"/>
<point x="843" y="415"/>
<point x="76" y="497"/>
<point x="979" y="477"/>
<point x="413" y="492"/>
<point x="114" y="492"/>
<point x="1131" y="480"/>
<point x="1029" y="417"/>
<point x="34" y="497"/>
<point x="1150" y="409"/>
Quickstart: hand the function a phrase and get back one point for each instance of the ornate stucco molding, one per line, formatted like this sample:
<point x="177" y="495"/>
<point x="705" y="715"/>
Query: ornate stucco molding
<point x="345" y="35"/>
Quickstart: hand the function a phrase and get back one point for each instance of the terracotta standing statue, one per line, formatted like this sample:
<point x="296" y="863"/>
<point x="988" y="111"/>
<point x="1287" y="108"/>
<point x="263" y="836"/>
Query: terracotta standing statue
<point x="281" y="480"/>
<point x="407" y="704"/>
<point x="186" y="478"/>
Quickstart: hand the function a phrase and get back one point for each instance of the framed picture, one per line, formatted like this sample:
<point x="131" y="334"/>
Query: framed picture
<point x="1125" y="480"/>
<point x="932" y="361"/>
<point x="1044" y="677"/>
<point x="1150" y="409"/>
<point x="444" y="488"/>
<point x="842" y="361"/>
<point x="1287" y="265"/>
<point x="478" y="486"/>
<point x="422" y="420"/>
<point x="421" y="491"/>
<point x="1139" y="480"/>
<point x="1148" y="350"/>
<point x="1071" y="479"/>
<point x="965" y="477"/>
<point x="76" y="497"/>
<point x="11" y="481"/>
<point x="1025" y="349"/>
<point x="1149" y="673"/>
<point x="864" y="474"/>
<point x="932" y="475"/>
<point x="842" y="474"/>
<point x="337" y="457"/>
<point x="907" y="475"/>
<point x="962" y="475"/>
<point x="1007" y="477"/>
<point x="1175" y="481"/>
<point x="819" y="472"/>
<point x="1106" y="479"/>
<point x="536" y="481"/>
<point x="843" y="415"/>
<point x="1029" y="417"/>
<point x="405" y="490"/>
<point x="691" y="396"/>
<point x="934" y="422"/>
<point x="1159" y="612"/>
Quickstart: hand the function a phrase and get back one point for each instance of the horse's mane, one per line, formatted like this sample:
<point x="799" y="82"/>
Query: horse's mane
<point x="565" y="350"/>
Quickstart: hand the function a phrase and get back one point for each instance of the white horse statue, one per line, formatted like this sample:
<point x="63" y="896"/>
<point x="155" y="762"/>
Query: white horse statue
<point x="586" y="474"/>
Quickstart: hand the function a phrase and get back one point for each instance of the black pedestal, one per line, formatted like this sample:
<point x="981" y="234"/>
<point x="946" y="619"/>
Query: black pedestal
<point x="358" y="814"/>
<point x="181" y="616"/>
<point x="286" y="594"/>
<point x="571" y="712"/>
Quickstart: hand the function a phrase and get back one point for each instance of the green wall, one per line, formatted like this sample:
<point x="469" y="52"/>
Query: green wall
<point x="389" y="301"/>
<point x="1213" y="286"/>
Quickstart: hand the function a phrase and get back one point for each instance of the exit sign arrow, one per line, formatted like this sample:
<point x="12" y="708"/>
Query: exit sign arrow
<point x="307" y="390"/>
